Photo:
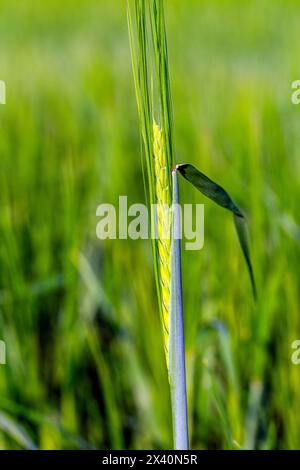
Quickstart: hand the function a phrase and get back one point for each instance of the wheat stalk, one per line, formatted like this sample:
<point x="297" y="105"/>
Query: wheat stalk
<point x="150" y="65"/>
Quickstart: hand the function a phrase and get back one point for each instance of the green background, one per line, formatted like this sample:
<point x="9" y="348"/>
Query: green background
<point x="85" y="363"/>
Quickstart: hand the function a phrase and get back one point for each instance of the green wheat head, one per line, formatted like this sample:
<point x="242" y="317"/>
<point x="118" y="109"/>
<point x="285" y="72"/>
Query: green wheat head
<point x="152" y="86"/>
<point x="163" y="201"/>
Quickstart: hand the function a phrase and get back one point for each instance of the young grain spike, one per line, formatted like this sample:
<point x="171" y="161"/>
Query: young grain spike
<point x="163" y="201"/>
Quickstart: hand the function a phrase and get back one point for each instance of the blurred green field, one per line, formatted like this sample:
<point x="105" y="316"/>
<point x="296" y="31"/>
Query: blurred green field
<point x="85" y="363"/>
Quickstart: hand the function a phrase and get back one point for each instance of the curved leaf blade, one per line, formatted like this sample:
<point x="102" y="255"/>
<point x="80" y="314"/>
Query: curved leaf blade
<point x="209" y="188"/>
<point x="241" y="229"/>
<point x="219" y="195"/>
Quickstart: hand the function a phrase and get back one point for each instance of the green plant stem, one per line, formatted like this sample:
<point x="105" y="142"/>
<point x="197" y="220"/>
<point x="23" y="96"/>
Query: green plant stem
<point x="177" y="374"/>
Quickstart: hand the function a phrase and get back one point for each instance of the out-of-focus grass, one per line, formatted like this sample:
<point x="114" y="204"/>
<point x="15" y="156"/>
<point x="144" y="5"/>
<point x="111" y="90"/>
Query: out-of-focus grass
<point x="85" y="365"/>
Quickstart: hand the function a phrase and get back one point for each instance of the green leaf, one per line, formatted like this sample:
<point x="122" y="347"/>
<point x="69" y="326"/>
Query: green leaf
<point x="208" y="187"/>
<point x="241" y="228"/>
<point x="216" y="193"/>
